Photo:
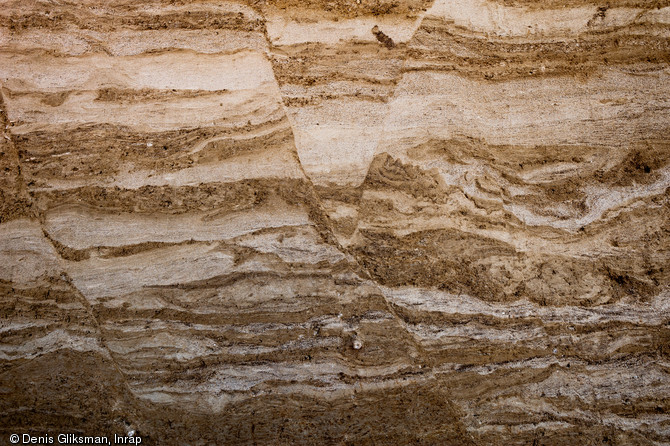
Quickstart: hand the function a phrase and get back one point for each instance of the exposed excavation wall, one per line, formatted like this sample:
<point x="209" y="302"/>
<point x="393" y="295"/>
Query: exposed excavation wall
<point x="336" y="222"/>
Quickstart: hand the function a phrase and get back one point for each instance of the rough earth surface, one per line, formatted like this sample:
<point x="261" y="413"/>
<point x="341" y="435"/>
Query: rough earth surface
<point x="313" y="222"/>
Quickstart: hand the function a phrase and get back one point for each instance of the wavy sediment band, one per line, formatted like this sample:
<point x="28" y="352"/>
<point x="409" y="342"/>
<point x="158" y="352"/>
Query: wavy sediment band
<point x="336" y="222"/>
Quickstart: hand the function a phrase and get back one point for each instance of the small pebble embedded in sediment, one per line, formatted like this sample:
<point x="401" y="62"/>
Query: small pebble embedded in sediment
<point x="383" y="38"/>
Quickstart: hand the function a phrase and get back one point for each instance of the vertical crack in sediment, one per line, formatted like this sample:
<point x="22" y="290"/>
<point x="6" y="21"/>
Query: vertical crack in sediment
<point x="360" y="269"/>
<point x="34" y="213"/>
<point x="328" y="226"/>
<point x="446" y="220"/>
<point x="317" y="199"/>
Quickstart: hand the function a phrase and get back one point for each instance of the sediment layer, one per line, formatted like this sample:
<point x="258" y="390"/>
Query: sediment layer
<point x="361" y="222"/>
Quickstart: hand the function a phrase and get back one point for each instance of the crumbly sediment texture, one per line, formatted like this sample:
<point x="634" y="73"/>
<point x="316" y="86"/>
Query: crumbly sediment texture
<point x="336" y="222"/>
